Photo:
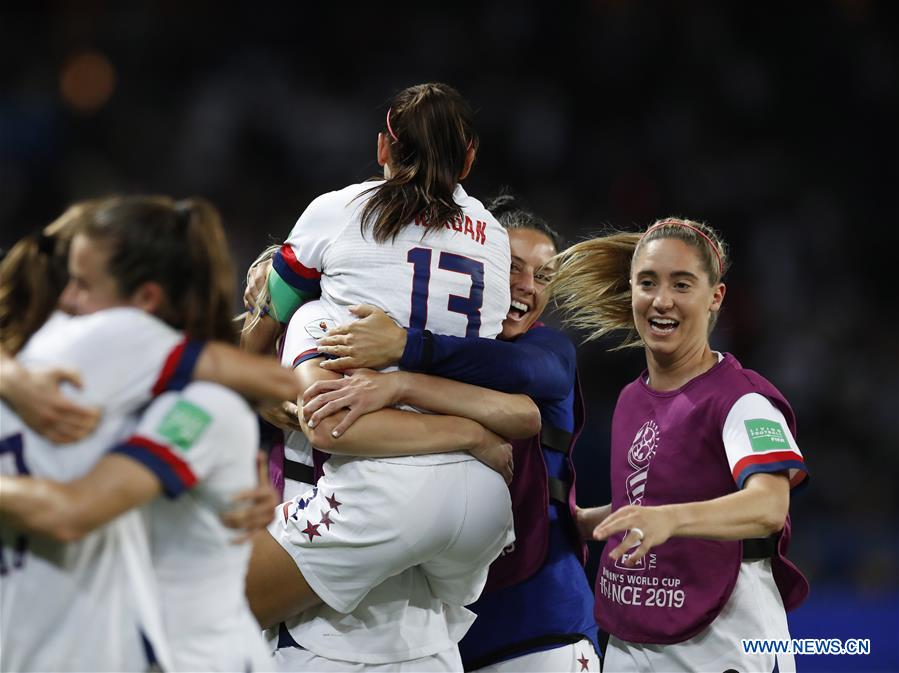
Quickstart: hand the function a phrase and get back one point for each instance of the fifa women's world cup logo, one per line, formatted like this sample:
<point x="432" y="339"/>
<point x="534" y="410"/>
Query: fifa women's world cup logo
<point x="643" y="448"/>
<point x="640" y="455"/>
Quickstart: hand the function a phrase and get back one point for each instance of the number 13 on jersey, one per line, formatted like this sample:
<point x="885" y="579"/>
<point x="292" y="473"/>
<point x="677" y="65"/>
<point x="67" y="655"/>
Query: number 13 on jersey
<point x="469" y="306"/>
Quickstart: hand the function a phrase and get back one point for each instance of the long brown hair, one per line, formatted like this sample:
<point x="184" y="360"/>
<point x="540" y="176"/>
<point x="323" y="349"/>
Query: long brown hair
<point x="32" y="276"/>
<point x="592" y="282"/>
<point x="430" y="131"/>
<point x="179" y="244"/>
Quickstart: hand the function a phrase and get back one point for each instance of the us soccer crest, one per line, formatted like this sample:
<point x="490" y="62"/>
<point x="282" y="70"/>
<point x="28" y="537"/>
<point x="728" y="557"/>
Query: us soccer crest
<point x="319" y="327"/>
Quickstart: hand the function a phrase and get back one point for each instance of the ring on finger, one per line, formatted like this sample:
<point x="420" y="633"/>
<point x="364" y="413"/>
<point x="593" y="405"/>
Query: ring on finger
<point x="638" y="531"/>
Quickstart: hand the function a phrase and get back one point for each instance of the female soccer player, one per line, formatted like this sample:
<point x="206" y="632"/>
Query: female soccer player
<point x="399" y="622"/>
<point x="703" y="461"/>
<point x="434" y="258"/>
<point x="36" y="395"/>
<point x="95" y="597"/>
<point x="536" y="613"/>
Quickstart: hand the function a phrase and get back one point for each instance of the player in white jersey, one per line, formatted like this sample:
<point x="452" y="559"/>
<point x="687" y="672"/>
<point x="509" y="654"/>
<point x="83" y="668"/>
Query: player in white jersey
<point x="97" y="603"/>
<point x="198" y="447"/>
<point x="35" y="394"/>
<point x="433" y="258"/>
<point x="60" y="603"/>
<point x="399" y="618"/>
<point x="400" y="622"/>
<point x="703" y="462"/>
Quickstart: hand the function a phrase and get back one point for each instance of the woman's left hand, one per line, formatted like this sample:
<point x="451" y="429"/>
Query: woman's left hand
<point x="646" y="526"/>
<point x="252" y="510"/>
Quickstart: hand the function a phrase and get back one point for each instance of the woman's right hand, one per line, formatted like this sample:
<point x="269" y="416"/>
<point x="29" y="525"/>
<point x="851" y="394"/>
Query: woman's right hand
<point x="496" y="453"/>
<point x="374" y="341"/>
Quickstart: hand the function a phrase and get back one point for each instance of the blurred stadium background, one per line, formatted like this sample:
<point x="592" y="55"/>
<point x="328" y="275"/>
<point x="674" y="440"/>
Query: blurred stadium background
<point x="770" y="121"/>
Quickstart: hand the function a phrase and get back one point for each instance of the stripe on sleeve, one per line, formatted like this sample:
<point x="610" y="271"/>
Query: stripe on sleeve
<point x="174" y="474"/>
<point x="178" y="369"/>
<point x="301" y="278"/>
<point x="775" y="461"/>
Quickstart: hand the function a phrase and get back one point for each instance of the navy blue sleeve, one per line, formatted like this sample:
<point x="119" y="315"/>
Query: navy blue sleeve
<point x="540" y="363"/>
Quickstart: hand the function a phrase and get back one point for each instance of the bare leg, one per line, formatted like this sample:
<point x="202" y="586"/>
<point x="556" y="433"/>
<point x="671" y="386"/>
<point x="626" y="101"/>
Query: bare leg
<point x="276" y="589"/>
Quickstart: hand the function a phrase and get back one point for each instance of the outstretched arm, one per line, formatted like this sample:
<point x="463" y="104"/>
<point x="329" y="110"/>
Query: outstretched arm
<point x="758" y="510"/>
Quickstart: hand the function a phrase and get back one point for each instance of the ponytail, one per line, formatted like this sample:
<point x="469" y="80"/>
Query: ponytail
<point x="208" y="299"/>
<point x="430" y="131"/>
<point x="33" y="275"/>
<point x="591" y="286"/>
<point x="29" y="291"/>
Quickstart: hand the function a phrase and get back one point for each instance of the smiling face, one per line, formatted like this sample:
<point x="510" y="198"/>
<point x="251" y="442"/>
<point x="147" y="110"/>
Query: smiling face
<point x="528" y="278"/>
<point x="673" y="300"/>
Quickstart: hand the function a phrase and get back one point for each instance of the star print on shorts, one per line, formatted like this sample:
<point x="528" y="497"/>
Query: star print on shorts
<point x="583" y="661"/>
<point x="334" y="503"/>
<point x="326" y="520"/>
<point x="311" y="529"/>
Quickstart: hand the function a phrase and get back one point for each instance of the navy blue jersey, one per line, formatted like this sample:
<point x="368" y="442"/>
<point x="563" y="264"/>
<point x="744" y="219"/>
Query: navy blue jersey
<point x="556" y="603"/>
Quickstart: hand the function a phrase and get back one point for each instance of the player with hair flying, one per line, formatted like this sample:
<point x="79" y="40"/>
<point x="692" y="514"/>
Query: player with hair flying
<point x="703" y="460"/>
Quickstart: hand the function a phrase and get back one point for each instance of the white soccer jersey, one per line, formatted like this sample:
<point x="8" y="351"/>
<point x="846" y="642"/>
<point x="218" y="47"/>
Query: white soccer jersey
<point x="452" y="280"/>
<point x="86" y="605"/>
<point x="201" y="443"/>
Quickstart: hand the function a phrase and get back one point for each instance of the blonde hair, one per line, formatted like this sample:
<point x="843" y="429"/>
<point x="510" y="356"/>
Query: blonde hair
<point x="591" y="285"/>
<point x="262" y="298"/>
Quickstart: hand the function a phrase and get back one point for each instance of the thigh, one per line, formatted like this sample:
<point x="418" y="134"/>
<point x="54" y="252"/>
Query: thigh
<point x="275" y="587"/>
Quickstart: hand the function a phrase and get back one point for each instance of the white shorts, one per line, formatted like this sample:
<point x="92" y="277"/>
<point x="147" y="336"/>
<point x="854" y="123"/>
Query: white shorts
<point x="754" y="610"/>
<point x="294" y="659"/>
<point x="368" y="520"/>
<point x="573" y="658"/>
